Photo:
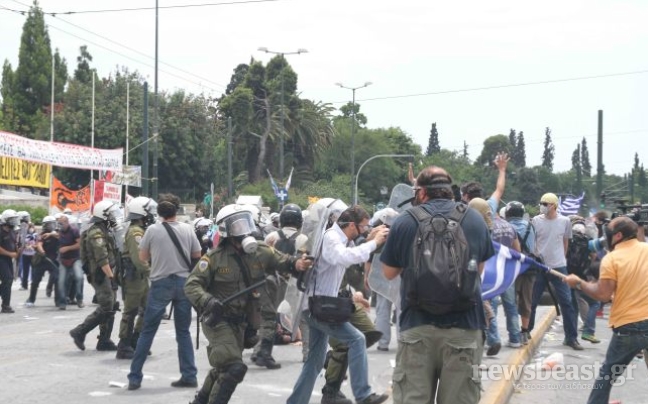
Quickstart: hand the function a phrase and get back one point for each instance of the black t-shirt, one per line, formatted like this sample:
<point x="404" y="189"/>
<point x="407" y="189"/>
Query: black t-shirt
<point x="8" y="242"/>
<point x="397" y="252"/>
<point x="50" y="245"/>
<point x="67" y="238"/>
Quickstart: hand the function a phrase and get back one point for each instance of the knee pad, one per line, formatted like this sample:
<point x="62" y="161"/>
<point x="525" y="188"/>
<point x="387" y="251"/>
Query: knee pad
<point x="237" y="371"/>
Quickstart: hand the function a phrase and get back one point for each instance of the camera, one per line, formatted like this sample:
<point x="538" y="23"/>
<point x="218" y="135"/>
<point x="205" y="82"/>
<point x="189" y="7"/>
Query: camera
<point x="638" y="213"/>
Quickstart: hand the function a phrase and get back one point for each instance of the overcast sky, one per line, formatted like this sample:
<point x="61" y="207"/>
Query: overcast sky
<point x="416" y="54"/>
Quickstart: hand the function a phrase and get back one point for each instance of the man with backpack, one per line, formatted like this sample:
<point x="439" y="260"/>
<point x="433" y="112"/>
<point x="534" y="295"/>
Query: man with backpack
<point x="442" y="320"/>
<point x="288" y="239"/>
<point x="579" y="259"/>
<point x="524" y="283"/>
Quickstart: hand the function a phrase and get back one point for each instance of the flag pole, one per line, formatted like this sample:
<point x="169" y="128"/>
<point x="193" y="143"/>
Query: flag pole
<point x="92" y="188"/>
<point x="52" y="130"/>
<point x="127" y="116"/>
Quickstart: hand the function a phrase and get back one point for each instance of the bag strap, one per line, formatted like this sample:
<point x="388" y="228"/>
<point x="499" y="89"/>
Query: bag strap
<point x="458" y="213"/>
<point x="244" y="270"/>
<point x="282" y="235"/>
<point x="176" y="242"/>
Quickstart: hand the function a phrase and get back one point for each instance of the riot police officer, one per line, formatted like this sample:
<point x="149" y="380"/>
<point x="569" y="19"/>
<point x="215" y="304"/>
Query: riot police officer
<point x="238" y="262"/>
<point x="9" y="222"/>
<point x="134" y="276"/>
<point x="201" y="227"/>
<point x="99" y="254"/>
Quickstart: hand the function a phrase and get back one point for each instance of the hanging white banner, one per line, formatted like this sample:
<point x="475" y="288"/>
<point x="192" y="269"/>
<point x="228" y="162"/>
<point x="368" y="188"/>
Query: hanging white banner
<point x="60" y="154"/>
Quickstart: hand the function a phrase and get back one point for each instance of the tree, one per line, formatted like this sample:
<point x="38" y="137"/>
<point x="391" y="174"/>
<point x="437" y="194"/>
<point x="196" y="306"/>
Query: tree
<point x="8" y="121"/>
<point x="348" y="110"/>
<point x="83" y="72"/>
<point x="465" y="150"/>
<point x="520" y="152"/>
<point x="585" y="160"/>
<point x="492" y="146"/>
<point x="577" y="168"/>
<point x="433" y="143"/>
<point x="512" y="139"/>
<point x="549" y="151"/>
<point x="32" y="80"/>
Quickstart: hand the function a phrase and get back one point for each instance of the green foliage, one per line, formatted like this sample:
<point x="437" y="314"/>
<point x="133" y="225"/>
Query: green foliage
<point x="349" y="110"/>
<point x="36" y="213"/>
<point x="492" y="146"/>
<point x="586" y="166"/>
<point x="548" y="152"/>
<point x="433" y="142"/>
<point x="520" y="151"/>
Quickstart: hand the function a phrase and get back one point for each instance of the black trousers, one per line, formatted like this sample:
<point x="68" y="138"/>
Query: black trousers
<point x="6" y="279"/>
<point x="37" y="275"/>
<point x="24" y="270"/>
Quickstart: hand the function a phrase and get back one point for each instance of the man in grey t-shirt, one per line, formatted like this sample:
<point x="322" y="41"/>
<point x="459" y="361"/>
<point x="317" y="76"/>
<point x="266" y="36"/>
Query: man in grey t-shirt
<point x="553" y="232"/>
<point x="169" y="272"/>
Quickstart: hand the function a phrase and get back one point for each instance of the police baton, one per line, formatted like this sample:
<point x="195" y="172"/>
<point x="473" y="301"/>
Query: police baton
<point x="224" y="302"/>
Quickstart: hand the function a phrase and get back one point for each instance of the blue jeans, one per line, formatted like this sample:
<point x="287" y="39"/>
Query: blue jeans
<point x="563" y="294"/>
<point x="588" y="314"/>
<point x="626" y="342"/>
<point x="64" y="279"/>
<point x="162" y="292"/>
<point x="512" y="318"/>
<point x="318" y="344"/>
<point x="383" y="320"/>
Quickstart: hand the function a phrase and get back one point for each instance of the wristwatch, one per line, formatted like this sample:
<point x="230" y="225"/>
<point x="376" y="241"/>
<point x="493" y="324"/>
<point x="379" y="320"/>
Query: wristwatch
<point x="578" y="285"/>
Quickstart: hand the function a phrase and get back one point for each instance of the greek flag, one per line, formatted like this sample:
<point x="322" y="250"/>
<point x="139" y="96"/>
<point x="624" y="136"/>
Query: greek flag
<point x="501" y="270"/>
<point x="275" y="188"/>
<point x="570" y="206"/>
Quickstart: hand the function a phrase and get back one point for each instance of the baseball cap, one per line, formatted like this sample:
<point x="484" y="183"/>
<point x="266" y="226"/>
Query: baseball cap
<point x="549" y="198"/>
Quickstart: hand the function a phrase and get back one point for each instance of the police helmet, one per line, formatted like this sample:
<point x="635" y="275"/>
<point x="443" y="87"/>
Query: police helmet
<point x="49" y="223"/>
<point x="202" y="224"/>
<point x="24" y="216"/>
<point x="291" y="215"/>
<point x="514" y="209"/>
<point x="235" y="221"/>
<point x="141" y="207"/>
<point x="10" y="218"/>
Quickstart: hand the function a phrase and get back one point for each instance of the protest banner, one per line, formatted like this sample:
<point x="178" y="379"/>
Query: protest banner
<point x="24" y="173"/>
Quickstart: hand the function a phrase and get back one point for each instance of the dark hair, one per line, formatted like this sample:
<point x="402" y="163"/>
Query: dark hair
<point x="352" y="215"/>
<point x="601" y="215"/>
<point x="437" y="183"/>
<point x="168" y="205"/>
<point x="625" y="226"/>
<point x="473" y="190"/>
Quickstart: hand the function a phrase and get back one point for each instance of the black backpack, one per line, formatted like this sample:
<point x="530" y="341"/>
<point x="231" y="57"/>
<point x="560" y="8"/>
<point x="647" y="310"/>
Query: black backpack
<point x="286" y="244"/>
<point x="578" y="255"/>
<point x="444" y="278"/>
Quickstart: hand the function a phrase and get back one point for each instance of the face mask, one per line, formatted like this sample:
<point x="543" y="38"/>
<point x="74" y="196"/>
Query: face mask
<point x="248" y="243"/>
<point x="30" y="231"/>
<point x="544" y="209"/>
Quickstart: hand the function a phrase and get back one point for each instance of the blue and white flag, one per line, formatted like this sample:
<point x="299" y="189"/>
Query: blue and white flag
<point x="501" y="270"/>
<point x="570" y="206"/>
<point x="275" y="188"/>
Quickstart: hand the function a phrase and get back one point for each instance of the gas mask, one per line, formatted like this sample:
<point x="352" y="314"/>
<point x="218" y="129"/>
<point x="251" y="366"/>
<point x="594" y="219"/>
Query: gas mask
<point x="248" y="243"/>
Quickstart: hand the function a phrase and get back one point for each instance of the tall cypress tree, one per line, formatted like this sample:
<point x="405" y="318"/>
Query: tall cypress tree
<point x="549" y="151"/>
<point x="433" y="142"/>
<point x="6" y="92"/>
<point x="586" y="167"/>
<point x="512" y="139"/>
<point x="32" y="84"/>
<point x="576" y="166"/>
<point x="520" y="152"/>
<point x="465" y="150"/>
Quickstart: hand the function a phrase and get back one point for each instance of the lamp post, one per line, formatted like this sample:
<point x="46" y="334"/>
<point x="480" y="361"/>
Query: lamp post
<point x="355" y="188"/>
<point x="354" y="193"/>
<point x="281" y="137"/>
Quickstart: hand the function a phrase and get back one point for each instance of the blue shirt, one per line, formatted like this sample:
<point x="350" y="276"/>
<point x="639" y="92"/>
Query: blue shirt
<point x="520" y="225"/>
<point x="397" y="252"/>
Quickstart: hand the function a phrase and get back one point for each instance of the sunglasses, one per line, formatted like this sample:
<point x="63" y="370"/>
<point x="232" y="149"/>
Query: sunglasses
<point x="546" y="204"/>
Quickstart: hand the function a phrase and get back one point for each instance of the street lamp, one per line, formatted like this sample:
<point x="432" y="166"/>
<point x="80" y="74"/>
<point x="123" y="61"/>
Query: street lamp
<point x="281" y="137"/>
<point x="355" y="189"/>
<point x="353" y="90"/>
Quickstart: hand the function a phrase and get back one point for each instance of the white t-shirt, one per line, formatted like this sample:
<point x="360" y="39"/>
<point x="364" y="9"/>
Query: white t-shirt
<point x="550" y="236"/>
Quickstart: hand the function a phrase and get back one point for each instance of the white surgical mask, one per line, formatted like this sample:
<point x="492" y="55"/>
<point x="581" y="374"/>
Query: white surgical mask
<point x="544" y="209"/>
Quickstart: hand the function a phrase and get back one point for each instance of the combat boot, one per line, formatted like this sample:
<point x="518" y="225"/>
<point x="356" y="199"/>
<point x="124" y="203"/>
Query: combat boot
<point x="124" y="350"/>
<point x="332" y="396"/>
<point x="78" y="334"/>
<point x="200" y="398"/>
<point x="264" y="357"/>
<point x="105" y="329"/>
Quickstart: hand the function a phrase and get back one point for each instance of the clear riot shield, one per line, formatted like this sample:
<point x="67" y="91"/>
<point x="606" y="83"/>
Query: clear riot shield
<point x="315" y="223"/>
<point x="389" y="289"/>
<point x="401" y="193"/>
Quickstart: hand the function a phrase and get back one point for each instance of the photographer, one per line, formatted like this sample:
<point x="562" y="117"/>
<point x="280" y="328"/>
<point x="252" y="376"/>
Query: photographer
<point x="624" y="274"/>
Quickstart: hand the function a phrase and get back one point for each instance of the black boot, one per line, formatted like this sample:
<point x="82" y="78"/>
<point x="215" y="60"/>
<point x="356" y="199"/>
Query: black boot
<point x="79" y="332"/>
<point x="229" y="381"/>
<point x="200" y="398"/>
<point x="105" y="329"/>
<point x="332" y="396"/>
<point x="264" y="357"/>
<point x="124" y="350"/>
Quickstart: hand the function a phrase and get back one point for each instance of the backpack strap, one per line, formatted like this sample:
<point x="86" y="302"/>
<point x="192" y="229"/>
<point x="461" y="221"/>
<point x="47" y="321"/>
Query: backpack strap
<point x="281" y="234"/>
<point x="419" y="213"/>
<point x="458" y="213"/>
<point x="526" y="237"/>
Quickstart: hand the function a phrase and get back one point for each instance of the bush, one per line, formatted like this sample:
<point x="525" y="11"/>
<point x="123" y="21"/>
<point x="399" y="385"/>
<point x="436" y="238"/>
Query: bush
<point x="37" y="213"/>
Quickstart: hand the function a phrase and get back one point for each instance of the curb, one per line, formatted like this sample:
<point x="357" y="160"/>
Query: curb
<point x="501" y="391"/>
